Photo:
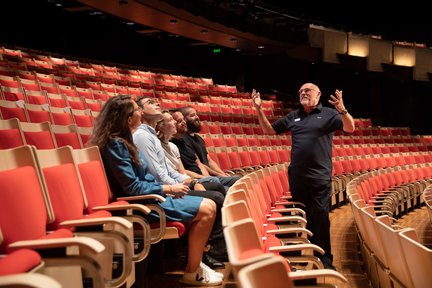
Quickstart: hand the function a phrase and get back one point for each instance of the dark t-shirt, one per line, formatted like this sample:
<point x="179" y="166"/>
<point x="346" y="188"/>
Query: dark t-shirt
<point x="198" y="145"/>
<point x="187" y="155"/>
<point x="312" y="136"/>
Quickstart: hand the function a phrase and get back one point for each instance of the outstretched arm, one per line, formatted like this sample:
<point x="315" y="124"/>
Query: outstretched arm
<point x="264" y="122"/>
<point x="347" y="119"/>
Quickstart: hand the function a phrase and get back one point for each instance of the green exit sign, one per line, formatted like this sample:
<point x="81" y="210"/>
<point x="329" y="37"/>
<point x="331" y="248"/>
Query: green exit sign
<point x="216" y="50"/>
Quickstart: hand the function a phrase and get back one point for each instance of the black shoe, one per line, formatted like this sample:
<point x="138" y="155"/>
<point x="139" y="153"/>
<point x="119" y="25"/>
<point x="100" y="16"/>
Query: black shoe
<point x="328" y="263"/>
<point x="218" y="251"/>
<point x="211" y="262"/>
<point x="329" y="266"/>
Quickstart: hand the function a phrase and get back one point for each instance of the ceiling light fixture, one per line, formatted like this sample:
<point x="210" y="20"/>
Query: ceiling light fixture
<point x="173" y="21"/>
<point x="204" y="31"/>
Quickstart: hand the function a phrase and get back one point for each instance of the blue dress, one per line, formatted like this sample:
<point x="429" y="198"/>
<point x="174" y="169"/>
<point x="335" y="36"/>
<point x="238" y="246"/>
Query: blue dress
<point x="126" y="179"/>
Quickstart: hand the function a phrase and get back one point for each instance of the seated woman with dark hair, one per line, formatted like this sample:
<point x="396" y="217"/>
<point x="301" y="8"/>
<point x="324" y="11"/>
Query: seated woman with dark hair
<point x="127" y="172"/>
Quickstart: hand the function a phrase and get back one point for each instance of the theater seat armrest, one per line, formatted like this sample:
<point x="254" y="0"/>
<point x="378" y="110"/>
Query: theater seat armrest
<point x="139" y="207"/>
<point x="84" y="242"/>
<point x="287" y="219"/>
<point x="289" y="230"/>
<point x="143" y="197"/>
<point x="97" y="221"/>
<point x="296" y="247"/>
<point x="290" y="210"/>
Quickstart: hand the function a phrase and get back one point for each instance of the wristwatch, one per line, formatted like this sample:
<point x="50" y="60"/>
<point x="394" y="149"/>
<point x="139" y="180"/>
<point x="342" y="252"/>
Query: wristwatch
<point x="343" y="112"/>
<point x="193" y="183"/>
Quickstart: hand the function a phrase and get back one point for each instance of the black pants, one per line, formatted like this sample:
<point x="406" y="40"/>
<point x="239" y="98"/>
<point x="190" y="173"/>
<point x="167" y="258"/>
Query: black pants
<point x="218" y="197"/>
<point x="315" y="194"/>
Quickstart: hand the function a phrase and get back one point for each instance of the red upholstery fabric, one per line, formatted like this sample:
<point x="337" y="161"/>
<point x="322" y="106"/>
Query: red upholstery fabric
<point x="19" y="261"/>
<point x="59" y="233"/>
<point x="181" y="228"/>
<point x="272" y="241"/>
<point x="22" y="207"/>
<point x="64" y="139"/>
<point x="9" y="112"/>
<point x="41" y="139"/>
<point x="10" y="138"/>
<point x="65" y="193"/>
<point x="95" y="185"/>
<point x="250" y="253"/>
<point x="62" y="118"/>
<point x="83" y="120"/>
<point x="38" y="116"/>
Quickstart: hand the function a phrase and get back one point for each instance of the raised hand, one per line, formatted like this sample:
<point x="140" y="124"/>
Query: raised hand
<point x="337" y="100"/>
<point x="256" y="99"/>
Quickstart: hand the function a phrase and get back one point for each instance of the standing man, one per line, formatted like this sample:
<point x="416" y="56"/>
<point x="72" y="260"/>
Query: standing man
<point x="312" y="128"/>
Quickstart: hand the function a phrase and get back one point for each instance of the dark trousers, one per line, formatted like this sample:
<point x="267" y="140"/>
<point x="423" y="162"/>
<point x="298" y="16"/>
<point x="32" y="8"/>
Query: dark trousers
<point x="315" y="194"/>
<point x="218" y="197"/>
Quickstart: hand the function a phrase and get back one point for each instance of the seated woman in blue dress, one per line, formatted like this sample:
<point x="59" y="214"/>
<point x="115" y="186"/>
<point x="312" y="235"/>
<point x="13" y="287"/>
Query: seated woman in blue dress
<point x="127" y="173"/>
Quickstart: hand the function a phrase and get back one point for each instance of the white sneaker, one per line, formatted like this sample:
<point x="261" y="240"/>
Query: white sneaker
<point x="201" y="277"/>
<point x="211" y="271"/>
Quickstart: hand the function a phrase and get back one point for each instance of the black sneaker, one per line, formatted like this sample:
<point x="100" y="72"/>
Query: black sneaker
<point x="218" y="251"/>
<point x="328" y="263"/>
<point x="211" y="262"/>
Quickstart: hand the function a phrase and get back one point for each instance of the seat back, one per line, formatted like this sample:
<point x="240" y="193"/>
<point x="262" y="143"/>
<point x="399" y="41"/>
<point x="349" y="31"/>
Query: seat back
<point x="61" y="116"/>
<point x="243" y="244"/>
<point x="13" y="109"/>
<point x="418" y="258"/>
<point x="393" y="250"/>
<point x="67" y="135"/>
<point x="92" y="173"/>
<point x="23" y="199"/>
<point x="84" y="133"/>
<point x="39" y="135"/>
<point x="38" y="113"/>
<point x="63" y="185"/>
<point x="98" y="193"/>
<point x="11" y="134"/>
<point x="273" y="270"/>
<point x="60" y="176"/>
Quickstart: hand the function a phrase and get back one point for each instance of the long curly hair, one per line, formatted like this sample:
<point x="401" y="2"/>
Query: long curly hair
<point x="112" y="123"/>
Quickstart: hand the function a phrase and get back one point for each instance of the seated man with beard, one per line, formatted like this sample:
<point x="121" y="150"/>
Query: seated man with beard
<point x="189" y="143"/>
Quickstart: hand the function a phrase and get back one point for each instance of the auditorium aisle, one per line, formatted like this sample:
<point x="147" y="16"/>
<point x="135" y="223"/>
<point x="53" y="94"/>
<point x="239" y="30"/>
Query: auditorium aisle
<point x="347" y="259"/>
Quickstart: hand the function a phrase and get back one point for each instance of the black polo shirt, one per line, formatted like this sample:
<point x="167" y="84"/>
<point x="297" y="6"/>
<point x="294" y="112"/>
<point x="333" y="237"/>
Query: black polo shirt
<point x="187" y="155"/>
<point x="312" y="136"/>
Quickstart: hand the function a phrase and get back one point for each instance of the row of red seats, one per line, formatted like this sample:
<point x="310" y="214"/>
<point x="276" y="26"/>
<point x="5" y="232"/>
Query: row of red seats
<point x="394" y="256"/>
<point x="14" y="133"/>
<point x="56" y="202"/>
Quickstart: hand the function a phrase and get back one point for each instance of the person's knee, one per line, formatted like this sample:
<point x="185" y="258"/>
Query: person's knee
<point x="208" y="207"/>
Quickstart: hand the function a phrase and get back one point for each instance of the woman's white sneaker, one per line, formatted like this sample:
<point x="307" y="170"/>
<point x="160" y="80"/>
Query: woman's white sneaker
<point x="211" y="271"/>
<point x="201" y="277"/>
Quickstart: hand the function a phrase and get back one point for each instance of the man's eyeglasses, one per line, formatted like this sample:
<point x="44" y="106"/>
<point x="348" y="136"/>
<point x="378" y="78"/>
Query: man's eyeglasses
<point x="150" y="102"/>
<point x="305" y="90"/>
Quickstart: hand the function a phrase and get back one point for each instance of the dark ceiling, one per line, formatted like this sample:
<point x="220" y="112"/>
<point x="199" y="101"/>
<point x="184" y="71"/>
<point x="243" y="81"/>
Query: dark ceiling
<point x="88" y="28"/>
